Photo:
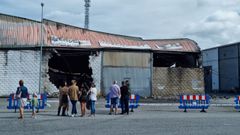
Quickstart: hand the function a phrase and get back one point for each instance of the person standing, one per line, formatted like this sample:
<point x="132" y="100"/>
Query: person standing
<point x="124" y="98"/>
<point x="83" y="98"/>
<point x="34" y="105"/>
<point x="64" y="101"/>
<point x="21" y="95"/>
<point x="93" y="98"/>
<point x="73" y="95"/>
<point x="127" y="83"/>
<point x="114" y="96"/>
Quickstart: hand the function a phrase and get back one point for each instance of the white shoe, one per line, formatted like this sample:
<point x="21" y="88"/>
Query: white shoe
<point x="72" y="115"/>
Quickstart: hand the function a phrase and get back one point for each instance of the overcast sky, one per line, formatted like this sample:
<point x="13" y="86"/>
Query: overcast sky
<point x="209" y="22"/>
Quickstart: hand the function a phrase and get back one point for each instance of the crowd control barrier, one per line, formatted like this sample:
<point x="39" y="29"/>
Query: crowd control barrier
<point x="13" y="102"/>
<point x="133" y="101"/>
<point x="237" y="102"/>
<point x="194" y="102"/>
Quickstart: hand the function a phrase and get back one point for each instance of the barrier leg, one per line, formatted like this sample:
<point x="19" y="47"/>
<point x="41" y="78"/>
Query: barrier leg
<point x="185" y="109"/>
<point x="203" y="110"/>
<point x="132" y="105"/>
<point x="132" y="109"/>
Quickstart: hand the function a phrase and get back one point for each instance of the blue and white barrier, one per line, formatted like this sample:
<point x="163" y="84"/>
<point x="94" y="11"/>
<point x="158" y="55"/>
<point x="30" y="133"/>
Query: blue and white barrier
<point x="194" y="102"/>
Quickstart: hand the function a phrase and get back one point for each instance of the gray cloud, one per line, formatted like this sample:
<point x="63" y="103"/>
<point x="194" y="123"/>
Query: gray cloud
<point x="221" y="27"/>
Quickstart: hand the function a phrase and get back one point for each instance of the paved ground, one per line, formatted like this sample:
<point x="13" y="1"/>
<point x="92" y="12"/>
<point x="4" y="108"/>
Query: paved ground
<point x="151" y="119"/>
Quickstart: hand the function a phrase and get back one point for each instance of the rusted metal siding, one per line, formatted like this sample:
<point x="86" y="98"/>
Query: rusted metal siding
<point x="175" y="45"/>
<point x="126" y="59"/>
<point x="21" y="31"/>
<point x="96" y="38"/>
<point x="172" y="82"/>
<point x="139" y="79"/>
<point x="18" y="31"/>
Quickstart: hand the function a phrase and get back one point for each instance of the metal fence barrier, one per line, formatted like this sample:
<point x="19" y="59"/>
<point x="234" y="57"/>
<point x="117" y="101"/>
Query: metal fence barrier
<point x="237" y="102"/>
<point x="194" y="102"/>
<point x="13" y="102"/>
<point x="133" y="101"/>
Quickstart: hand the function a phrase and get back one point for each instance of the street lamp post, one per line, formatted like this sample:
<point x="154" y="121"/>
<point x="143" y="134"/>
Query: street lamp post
<point x="41" y="46"/>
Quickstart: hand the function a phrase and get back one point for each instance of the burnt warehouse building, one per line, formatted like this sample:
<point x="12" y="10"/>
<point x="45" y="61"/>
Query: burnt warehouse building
<point x="159" y="67"/>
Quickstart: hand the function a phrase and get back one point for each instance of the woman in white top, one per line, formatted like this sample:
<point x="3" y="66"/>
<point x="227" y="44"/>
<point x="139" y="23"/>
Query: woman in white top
<point x="93" y="98"/>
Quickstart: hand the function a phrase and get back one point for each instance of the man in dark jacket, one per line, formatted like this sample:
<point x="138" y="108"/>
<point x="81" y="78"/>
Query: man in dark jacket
<point x="124" y="98"/>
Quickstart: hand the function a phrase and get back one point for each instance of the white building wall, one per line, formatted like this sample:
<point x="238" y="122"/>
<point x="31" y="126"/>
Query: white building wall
<point x="95" y="63"/>
<point x="17" y="65"/>
<point x="23" y="64"/>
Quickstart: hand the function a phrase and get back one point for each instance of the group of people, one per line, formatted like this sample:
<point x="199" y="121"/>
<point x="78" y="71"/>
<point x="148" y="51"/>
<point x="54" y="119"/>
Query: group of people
<point x="86" y="96"/>
<point x="121" y="93"/>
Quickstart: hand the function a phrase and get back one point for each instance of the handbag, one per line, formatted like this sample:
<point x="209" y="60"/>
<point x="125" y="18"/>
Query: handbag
<point x="18" y="93"/>
<point x="88" y="103"/>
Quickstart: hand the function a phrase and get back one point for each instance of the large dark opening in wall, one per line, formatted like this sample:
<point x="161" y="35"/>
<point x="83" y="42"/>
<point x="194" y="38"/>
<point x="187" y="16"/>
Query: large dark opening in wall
<point x="65" y="65"/>
<point x="186" y="60"/>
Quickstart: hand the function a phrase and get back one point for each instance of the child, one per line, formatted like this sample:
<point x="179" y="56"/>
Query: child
<point x="34" y="105"/>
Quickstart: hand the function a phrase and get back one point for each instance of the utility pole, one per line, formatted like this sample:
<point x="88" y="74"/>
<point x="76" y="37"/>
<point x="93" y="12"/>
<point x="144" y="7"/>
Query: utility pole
<point x="87" y="5"/>
<point x="41" y="50"/>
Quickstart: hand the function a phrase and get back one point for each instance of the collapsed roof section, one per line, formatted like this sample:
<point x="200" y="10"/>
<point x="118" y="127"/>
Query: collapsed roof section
<point x="20" y="32"/>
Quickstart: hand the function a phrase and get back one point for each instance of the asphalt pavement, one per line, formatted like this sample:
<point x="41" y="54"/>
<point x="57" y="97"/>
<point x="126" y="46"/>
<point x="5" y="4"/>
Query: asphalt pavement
<point x="148" y="119"/>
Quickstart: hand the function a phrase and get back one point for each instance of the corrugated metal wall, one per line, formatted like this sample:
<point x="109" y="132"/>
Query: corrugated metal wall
<point x="228" y="67"/>
<point x="133" y="66"/>
<point x="17" y="31"/>
<point x="172" y="82"/>
<point x="210" y="58"/>
<point x="126" y="59"/>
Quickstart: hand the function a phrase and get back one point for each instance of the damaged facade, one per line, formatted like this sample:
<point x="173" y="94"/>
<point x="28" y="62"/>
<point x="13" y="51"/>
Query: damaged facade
<point x="158" y="67"/>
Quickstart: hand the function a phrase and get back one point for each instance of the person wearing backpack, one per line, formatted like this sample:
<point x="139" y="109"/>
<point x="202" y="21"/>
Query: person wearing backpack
<point x="21" y="95"/>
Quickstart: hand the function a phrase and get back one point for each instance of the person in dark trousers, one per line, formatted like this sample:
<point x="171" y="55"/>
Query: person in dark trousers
<point x="64" y="98"/>
<point x="21" y="95"/>
<point x="124" y="98"/>
<point x="127" y="83"/>
<point x="73" y="95"/>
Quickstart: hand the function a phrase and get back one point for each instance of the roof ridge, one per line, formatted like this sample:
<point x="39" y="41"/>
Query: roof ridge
<point x="167" y="39"/>
<point x="124" y="36"/>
